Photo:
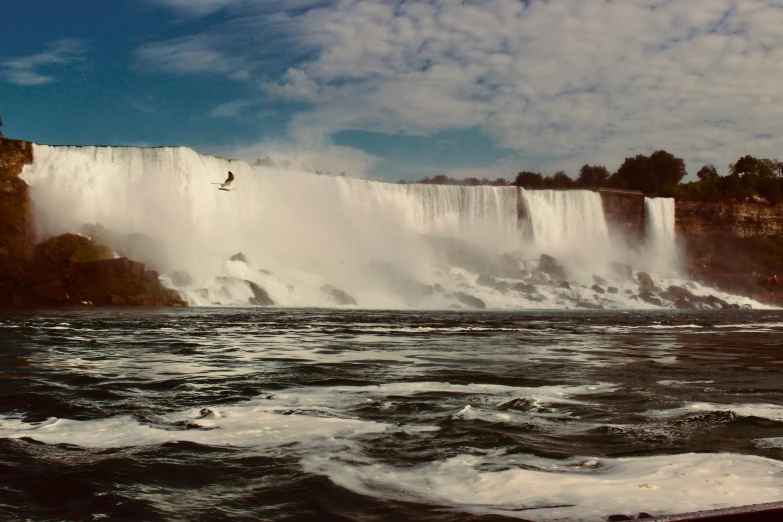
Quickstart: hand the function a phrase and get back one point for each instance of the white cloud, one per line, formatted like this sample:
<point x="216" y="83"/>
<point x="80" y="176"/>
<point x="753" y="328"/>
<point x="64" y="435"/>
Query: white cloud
<point x="197" y="8"/>
<point x="323" y="158"/>
<point x="231" y="109"/>
<point x="28" y="70"/>
<point x="559" y="83"/>
<point x="190" y="55"/>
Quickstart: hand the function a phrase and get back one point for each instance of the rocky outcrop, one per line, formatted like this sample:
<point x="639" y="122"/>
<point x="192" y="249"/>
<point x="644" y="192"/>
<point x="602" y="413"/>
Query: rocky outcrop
<point x="63" y="270"/>
<point x="338" y="296"/>
<point x="73" y="270"/>
<point x="729" y="219"/>
<point x="736" y="246"/>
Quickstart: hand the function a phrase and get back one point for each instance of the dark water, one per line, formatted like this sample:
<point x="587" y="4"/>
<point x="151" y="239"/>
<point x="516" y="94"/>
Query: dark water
<point x="215" y="414"/>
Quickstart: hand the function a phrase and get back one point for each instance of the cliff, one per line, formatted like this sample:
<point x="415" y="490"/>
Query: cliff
<point x="737" y="246"/>
<point x="64" y="270"/>
<point x="624" y="212"/>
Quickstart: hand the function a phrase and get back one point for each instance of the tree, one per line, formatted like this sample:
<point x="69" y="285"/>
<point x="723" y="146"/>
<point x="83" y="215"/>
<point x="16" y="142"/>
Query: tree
<point x="592" y="176"/>
<point x="529" y="180"/>
<point x="754" y="167"/>
<point x="560" y="181"/>
<point x="657" y="174"/>
<point x="707" y="173"/>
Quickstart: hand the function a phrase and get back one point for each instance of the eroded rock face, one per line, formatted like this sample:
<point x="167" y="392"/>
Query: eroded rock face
<point x="73" y="270"/>
<point x="338" y="296"/>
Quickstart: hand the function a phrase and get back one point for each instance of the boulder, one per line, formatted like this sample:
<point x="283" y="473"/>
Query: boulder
<point x="469" y="300"/>
<point x="612" y="290"/>
<point x="239" y="256"/>
<point x="260" y="297"/>
<point x="597" y="289"/>
<point x="680" y="292"/>
<point x="647" y="297"/>
<point x="525" y="288"/>
<point x="491" y="282"/>
<point x="589" y="305"/>
<point x="338" y="296"/>
<point x="548" y="265"/>
<point x="565" y="284"/>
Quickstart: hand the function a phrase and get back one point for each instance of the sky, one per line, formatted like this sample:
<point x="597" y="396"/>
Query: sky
<point x="393" y="89"/>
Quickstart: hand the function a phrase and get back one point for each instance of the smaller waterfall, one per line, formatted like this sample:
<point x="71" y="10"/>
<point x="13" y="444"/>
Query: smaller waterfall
<point x="659" y="226"/>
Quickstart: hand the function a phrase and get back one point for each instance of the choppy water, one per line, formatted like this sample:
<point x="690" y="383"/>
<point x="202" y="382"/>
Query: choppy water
<point x="281" y="414"/>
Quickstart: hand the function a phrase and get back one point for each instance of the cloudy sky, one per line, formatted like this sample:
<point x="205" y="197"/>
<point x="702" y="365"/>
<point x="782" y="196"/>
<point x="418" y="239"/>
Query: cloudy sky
<point x="401" y="89"/>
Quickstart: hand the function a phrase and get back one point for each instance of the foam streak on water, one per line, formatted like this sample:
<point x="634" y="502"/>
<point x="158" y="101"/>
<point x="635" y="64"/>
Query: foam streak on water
<point x="303" y="414"/>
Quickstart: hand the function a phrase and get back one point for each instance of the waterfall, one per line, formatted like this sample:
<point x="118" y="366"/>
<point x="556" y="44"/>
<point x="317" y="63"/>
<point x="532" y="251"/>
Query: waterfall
<point x="659" y="226"/>
<point x="564" y="221"/>
<point x="385" y="244"/>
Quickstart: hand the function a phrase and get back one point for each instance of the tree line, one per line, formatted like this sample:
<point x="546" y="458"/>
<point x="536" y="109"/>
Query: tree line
<point x="658" y="174"/>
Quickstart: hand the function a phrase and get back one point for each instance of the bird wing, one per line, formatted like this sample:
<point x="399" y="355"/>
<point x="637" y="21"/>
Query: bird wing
<point x="229" y="179"/>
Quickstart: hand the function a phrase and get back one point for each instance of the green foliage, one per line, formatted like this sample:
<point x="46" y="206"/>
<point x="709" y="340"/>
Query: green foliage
<point x="657" y="174"/>
<point x="593" y="176"/>
<point x="708" y="173"/>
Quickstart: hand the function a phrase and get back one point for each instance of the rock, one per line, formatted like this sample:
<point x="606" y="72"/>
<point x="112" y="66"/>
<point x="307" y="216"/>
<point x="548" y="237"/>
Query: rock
<point x="683" y="304"/>
<point x="525" y="288"/>
<point x="647" y="297"/>
<point x="469" y="300"/>
<point x="338" y="296"/>
<point x="599" y="280"/>
<point x="548" y="265"/>
<point x="239" y="256"/>
<point x="629" y="292"/>
<point x="565" y="284"/>
<point x="668" y="296"/>
<point x="715" y="302"/>
<point x="589" y="305"/>
<point x="612" y="290"/>
<point x="491" y="282"/>
<point x="597" y="289"/>
<point x="181" y="278"/>
<point x="680" y="292"/>
<point x="539" y="277"/>
<point x="644" y="279"/>
<point x="260" y="297"/>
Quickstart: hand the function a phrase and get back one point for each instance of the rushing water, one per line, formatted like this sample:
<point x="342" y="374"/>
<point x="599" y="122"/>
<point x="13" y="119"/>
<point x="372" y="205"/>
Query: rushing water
<point x="302" y="231"/>
<point x="310" y="414"/>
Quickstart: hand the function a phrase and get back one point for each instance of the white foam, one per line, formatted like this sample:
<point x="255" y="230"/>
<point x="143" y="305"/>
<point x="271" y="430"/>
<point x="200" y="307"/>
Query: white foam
<point x="761" y="410"/>
<point x="579" y="488"/>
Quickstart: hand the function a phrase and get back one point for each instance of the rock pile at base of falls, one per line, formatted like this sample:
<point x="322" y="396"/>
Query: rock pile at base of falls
<point x="338" y="296"/>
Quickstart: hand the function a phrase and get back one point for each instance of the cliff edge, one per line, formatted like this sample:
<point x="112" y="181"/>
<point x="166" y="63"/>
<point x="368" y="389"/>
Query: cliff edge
<point x="66" y="269"/>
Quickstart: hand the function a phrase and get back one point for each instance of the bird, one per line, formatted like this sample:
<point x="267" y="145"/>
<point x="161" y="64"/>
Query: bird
<point x="226" y="185"/>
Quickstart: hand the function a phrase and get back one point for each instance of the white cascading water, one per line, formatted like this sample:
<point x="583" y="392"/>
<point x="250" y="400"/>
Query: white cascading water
<point x="659" y="228"/>
<point x="300" y="231"/>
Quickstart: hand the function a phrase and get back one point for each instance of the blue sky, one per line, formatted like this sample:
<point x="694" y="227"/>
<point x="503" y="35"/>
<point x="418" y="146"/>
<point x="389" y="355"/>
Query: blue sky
<point x="400" y="90"/>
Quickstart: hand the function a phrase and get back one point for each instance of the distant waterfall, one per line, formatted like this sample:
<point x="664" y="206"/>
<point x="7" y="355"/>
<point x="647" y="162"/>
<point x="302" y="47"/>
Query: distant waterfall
<point x="659" y="225"/>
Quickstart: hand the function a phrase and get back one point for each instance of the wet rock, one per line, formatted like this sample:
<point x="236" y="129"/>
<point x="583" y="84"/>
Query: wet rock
<point x="338" y="296"/>
<point x="715" y="302"/>
<point x="589" y="305"/>
<point x="469" y="300"/>
<point x="597" y="289"/>
<point x="612" y="290"/>
<point x="668" y="296"/>
<point x="539" y="278"/>
<point x="647" y="297"/>
<point x="680" y="292"/>
<point x="565" y="284"/>
<point x="525" y="288"/>
<point x="548" y="265"/>
<point x="181" y="278"/>
<point x="239" y="256"/>
<point x="628" y="292"/>
<point x="491" y="282"/>
<point x="683" y="304"/>
<point x="260" y="297"/>
<point x="599" y="280"/>
<point x="644" y="279"/>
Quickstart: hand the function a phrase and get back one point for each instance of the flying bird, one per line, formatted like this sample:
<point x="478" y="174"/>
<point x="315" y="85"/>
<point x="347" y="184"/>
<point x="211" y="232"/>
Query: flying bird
<point x="226" y="185"/>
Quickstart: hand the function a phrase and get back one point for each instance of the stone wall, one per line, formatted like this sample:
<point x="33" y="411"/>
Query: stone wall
<point x="729" y="219"/>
